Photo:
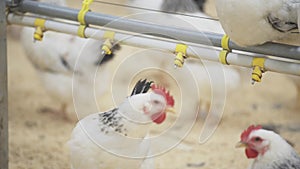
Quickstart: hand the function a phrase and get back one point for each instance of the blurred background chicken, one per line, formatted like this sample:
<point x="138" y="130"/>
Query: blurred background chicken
<point x="268" y="149"/>
<point x="256" y="22"/>
<point x="118" y="138"/>
<point x="70" y="68"/>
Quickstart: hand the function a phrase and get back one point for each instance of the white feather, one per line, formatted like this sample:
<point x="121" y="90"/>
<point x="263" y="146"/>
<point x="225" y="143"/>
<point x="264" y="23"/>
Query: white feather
<point x="89" y="148"/>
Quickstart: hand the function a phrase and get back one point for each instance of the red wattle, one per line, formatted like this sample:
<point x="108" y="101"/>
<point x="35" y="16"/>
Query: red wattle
<point x="250" y="153"/>
<point x="158" y="118"/>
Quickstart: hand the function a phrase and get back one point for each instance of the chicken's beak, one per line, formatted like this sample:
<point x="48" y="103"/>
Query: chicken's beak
<point x="241" y="145"/>
<point x="171" y="110"/>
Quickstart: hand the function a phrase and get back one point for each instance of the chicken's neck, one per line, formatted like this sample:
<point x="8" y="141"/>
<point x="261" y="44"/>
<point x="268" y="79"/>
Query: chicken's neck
<point x="292" y="160"/>
<point x="279" y="155"/>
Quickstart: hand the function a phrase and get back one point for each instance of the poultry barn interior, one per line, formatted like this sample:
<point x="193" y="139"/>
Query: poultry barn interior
<point x="38" y="136"/>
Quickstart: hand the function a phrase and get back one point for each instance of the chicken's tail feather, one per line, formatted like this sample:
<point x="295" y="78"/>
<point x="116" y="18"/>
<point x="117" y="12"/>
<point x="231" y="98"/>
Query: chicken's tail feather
<point x="142" y="86"/>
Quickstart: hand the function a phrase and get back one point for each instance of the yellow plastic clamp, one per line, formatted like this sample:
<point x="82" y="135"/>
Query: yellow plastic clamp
<point x="106" y="47"/>
<point x="80" y="17"/>
<point x="109" y="35"/>
<point x="223" y="57"/>
<point x="225" y="42"/>
<point x="226" y="50"/>
<point x="258" y="69"/>
<point x="84" y="9"/>
<point x="81" y="31"/>
<point x="39" y="30"/>
<point x="180" y="52"/>
<point x="108" y="43"/>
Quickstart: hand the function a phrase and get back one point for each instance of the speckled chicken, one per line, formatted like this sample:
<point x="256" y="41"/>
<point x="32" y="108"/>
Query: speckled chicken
<point x="118" y="138"/>
<point x="268" y="149"/>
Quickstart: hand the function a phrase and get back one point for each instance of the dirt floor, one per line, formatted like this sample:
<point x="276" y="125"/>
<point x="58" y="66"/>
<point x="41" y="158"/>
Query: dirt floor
<point x="38" y="141"/>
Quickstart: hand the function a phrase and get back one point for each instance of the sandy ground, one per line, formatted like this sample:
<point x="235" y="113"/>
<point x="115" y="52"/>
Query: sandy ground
<point x="38" y="140"/>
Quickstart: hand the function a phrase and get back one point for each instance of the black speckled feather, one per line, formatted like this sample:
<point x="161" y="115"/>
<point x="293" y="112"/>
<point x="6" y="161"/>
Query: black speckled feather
<point x="290" y="161"/>
<point x="111" y="121"/>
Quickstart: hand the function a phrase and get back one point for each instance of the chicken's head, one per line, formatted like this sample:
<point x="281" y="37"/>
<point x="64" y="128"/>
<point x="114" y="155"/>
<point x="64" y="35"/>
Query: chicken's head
<point x="160" y="102"/>
<point x="256" y="141"/>
<point x="149" y="105"/>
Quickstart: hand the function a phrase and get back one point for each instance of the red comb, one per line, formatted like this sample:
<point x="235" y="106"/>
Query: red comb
<point x="246" y="133"/>
<point x="161" y="90"/>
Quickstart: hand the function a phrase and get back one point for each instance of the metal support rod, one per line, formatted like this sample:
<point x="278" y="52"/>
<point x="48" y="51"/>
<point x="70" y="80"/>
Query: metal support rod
<point x="3" y="90"/>
<point x="271" y="49"/>
<point x="146" y="41"/>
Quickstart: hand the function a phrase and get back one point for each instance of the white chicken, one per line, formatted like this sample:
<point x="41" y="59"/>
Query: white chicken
<point x="64" y="61"/>
<point x="254" y="22"/>
<point x="268" y="149"/>
<point x="117" y="138"/>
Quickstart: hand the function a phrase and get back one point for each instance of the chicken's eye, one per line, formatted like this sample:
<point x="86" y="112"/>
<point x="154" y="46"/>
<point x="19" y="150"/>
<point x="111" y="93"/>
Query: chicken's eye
<point x="156" y="102"/>
<point x="257" y="139"/>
